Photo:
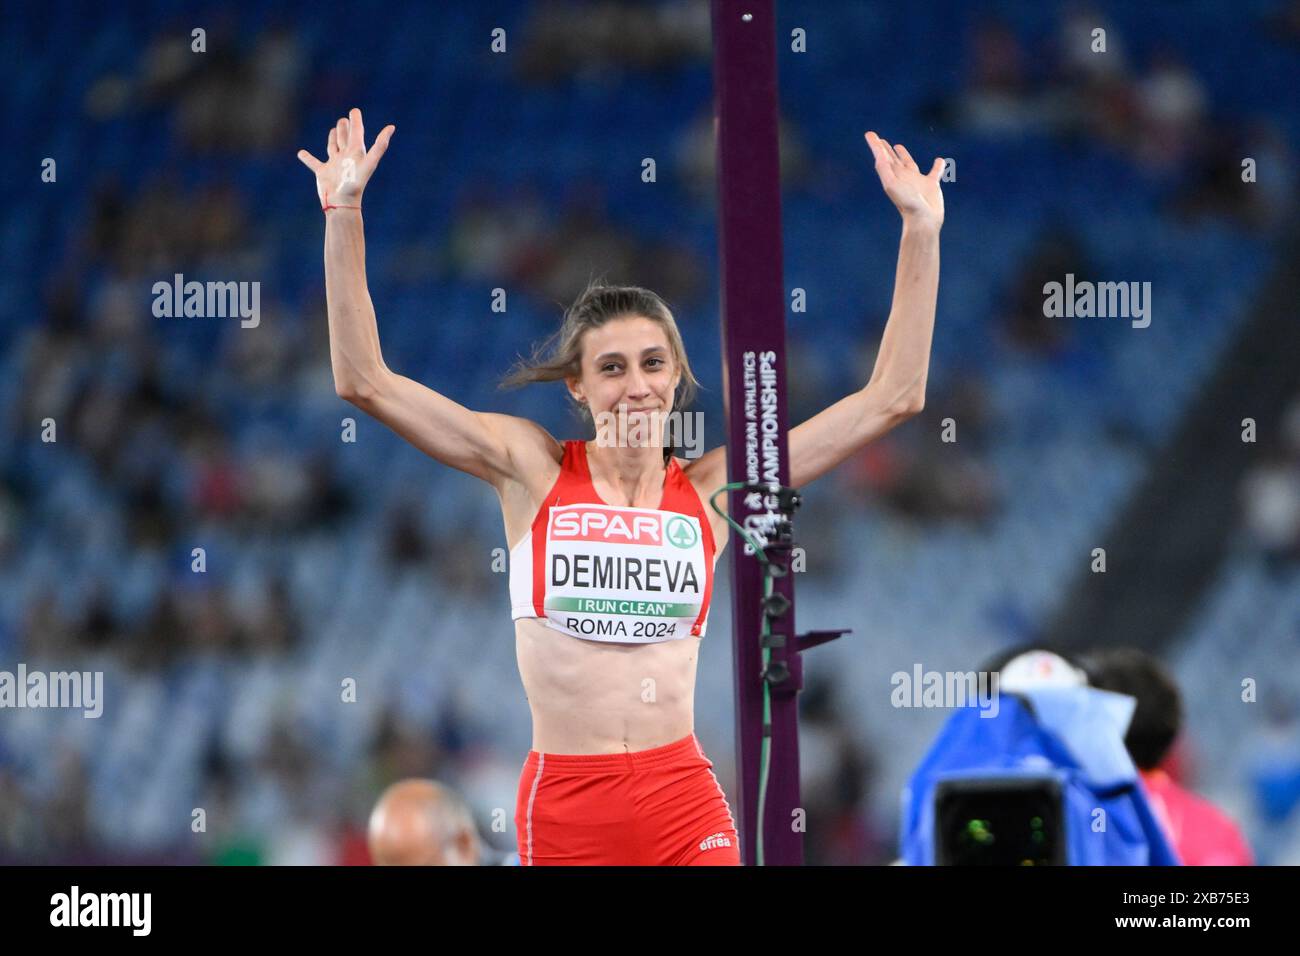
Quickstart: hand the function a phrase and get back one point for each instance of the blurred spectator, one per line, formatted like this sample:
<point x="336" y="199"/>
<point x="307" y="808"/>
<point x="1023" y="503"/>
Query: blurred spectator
<point x="265" y="355"/>
<point x="491" y="239"/>
<point x="922" y="476"/>
<point x="835" y="775"/>
<point x="593" y="42"/>
<point x="99" y="624"/>
<point x="1285" y="22"/>
<point x="407" y="542"/>
<point x="1270" y="495"/>
<point x="47" y="633"/>
<point x="330" y="499"/>
<point x="1200" y="831"/>
<point x="1171" y="102"/>
<point x="696" y="157"/>
<point x="214" y="488"/>
<point x="64" y="808"/>
<point x="19" y="833"/>
<point x="236" y="100"/>
<point x="48" y="822"/>
<point x="272" y="624"/>
<point x="163" y="228"/>
<point x="211" y="626"/>
<point x="423" y="823"/>
<point x="10" y="517"/>
<point x="402" y="751"/>
<point x="276" y="489"/>
<point x="1056" y="252"/>
<point x="1273" y="763"/>
<point x="1090" y="92"/>
<point x="1092" y="50"/>
<point x="161" y="636"/>
<point x="996" y="95"/>
<point x="1217" y="184"/>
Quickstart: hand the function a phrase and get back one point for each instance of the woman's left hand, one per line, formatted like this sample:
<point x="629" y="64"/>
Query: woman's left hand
<point x="917" y="196"/>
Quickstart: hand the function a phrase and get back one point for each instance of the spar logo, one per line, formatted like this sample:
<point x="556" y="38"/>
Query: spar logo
<point x="607" y="524"/>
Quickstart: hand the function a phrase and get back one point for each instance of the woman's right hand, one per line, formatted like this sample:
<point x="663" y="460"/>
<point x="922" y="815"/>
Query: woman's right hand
<point x="343" y="177"/>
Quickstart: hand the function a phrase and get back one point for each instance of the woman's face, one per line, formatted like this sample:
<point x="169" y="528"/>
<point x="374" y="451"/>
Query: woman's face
<point x="627" y="373"/>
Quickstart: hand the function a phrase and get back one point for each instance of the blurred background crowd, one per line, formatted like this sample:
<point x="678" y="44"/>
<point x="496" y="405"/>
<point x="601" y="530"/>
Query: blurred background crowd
<point x="331" y="556"/>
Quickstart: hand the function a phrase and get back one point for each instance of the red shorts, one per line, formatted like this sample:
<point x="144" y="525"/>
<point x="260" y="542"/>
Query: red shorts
<point x="657" y="807"/>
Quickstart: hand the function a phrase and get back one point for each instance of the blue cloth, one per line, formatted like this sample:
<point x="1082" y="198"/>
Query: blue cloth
<point x="1075" y="735"/>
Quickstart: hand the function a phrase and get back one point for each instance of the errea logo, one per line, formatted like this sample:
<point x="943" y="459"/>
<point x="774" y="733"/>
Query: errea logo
<point x="715" y="841"/>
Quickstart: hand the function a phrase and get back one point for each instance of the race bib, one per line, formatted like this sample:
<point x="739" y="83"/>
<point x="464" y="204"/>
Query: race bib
<point x="627" y="575"/>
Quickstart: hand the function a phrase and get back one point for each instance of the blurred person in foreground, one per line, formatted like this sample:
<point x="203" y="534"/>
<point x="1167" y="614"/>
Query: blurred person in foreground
<point x="1022" y="776"/>
<point x="423" y="823"/>
<point x="1202" y="833"/>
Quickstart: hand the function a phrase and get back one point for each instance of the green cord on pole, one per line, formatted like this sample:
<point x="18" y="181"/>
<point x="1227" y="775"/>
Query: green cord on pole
<point x="765" y="751"/>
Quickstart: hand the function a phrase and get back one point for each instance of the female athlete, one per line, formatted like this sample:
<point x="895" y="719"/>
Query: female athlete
<point x="612" y="551"/>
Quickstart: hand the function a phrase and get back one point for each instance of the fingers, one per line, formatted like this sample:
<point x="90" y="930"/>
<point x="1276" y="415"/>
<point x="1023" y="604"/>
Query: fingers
<point x="310" y="161"/>
<point x="884" y="155"/>
<point x="357" y="132"/>
<point x="896" y="157"/>
<point x="381" y="143"/>
<point x="873" y="143"/>
<point x="347" y="136"/>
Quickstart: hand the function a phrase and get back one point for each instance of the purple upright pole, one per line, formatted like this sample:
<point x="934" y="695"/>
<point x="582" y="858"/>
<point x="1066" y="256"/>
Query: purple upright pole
<point x="753" y="373"/>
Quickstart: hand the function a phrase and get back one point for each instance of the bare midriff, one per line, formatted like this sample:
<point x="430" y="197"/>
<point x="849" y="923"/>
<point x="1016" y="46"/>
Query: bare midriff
<point x="592" y="697"/>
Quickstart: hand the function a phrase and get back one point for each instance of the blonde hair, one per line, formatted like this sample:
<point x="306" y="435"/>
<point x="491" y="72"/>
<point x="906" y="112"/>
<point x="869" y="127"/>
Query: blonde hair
<point x="560" y="356"/>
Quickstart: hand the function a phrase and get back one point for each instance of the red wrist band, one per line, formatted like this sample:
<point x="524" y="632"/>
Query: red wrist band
<point x="327" y="206"/>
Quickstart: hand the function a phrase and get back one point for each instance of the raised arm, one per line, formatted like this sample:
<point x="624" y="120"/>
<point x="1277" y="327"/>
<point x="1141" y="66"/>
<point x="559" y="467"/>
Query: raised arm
<point x="896" y="389"/>
<point x="488" y="446"/>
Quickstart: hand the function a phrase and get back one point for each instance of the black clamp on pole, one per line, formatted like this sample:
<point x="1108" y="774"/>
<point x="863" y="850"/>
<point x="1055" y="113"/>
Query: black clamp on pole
<point x="777" y="671"/>
<point x="777" y="550"/>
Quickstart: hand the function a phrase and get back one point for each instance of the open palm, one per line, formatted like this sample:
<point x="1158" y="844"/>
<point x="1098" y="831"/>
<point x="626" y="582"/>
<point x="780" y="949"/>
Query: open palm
<point x="916" y="195"/>
<point x="342" y="178"/>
